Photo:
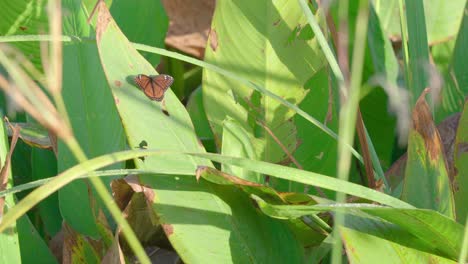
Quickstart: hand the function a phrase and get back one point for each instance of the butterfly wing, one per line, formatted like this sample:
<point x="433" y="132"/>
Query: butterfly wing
<point x="160" y="84"/>
<point x="144" y="82"/>
<point x="154" y="87"/>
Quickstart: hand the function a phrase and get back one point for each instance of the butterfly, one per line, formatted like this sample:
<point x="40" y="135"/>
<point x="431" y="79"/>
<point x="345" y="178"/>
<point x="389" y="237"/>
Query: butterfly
<point x="154" y="86"/>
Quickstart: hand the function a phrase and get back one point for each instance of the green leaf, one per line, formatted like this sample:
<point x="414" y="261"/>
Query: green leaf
<point x="366" y="248"/>
<point x="380" y="124"/>
<point x="200" y="122"/>
<point x="92" y="114"/>
<point x="460" y="181"/>
<point x="426" y="183"/>
<point x="274" y="58"/>
<point x="422" y="229"/>
<point x="322" y="101"/>
<point x="44" y="165"/>
<point x="238" y="143"/>
<point x="31" y="241"/>
<point x="232" y="229"/>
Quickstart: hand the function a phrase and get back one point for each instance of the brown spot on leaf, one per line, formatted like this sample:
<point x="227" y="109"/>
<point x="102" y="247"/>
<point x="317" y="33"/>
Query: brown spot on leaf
<point x="277" y="22"/>
<point x="23" y="28"/>
<point x="116" y="100"/>
<point x="104" y="18"/>
<point x="117" y="83"/>
<point x="168" y="229"/>
<point x="213" y="39"/>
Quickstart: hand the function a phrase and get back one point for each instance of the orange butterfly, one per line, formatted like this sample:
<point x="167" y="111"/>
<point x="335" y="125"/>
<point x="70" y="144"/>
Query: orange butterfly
<point x="154" y="86"/>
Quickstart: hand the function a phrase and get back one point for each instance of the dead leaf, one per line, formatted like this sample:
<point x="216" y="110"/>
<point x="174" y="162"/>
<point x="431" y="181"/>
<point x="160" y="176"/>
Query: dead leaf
<point x="189" y="24"/>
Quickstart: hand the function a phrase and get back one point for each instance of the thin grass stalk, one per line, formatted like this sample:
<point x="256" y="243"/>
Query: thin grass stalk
<point x="347" y="121"/>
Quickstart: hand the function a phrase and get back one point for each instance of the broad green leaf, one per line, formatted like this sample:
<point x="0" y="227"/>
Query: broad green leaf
<point x="460" y="181"/>
<point x="273" y="56"/>
<point x="380" y="124"/>
<point x="232" y="229"/>
<point x="307" y="236"/>
<point x="92" y="114"/>
<point x="442" y="18"/>
<point x="426" y="183"/>
<point x="238" y="143"/>
<point x="366" y="248"/>
<point x="44" y="165"/>
<point x="31" y="241"/>
<point x="9" y="242"/>
<point x="422" y="229"/>
<point x="197" y="113"/>
<point x="24" y="17"/>
<point x="322" y="101"/>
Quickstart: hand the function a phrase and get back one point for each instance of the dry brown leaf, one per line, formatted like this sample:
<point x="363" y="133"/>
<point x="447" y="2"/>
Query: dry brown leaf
<point x="189" y="24"/>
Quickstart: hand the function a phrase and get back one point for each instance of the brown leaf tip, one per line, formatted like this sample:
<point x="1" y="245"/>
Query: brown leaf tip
<point x="199" y="172"/>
